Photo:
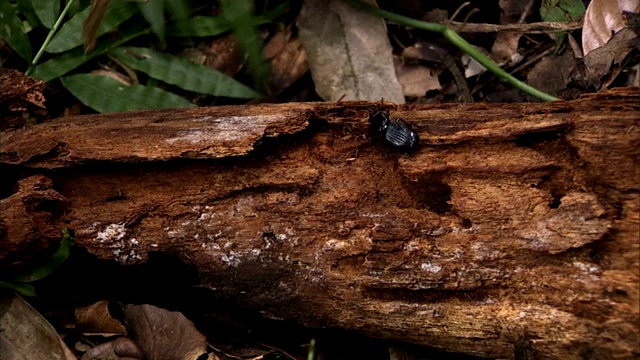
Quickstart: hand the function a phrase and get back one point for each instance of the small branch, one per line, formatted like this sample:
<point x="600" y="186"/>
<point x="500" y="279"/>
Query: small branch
<point x="534" y="28"/>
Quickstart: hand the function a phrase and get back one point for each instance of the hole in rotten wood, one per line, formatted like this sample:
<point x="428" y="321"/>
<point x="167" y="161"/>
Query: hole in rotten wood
<point x="555" y="203"/>
<point x="426" y="295"/>
<point x="431" y="195"/>
<point x="116" y="198"/>
<point x="53" y="209"/>
<point x="11" y="174"/>
<point x="533" y="138"/>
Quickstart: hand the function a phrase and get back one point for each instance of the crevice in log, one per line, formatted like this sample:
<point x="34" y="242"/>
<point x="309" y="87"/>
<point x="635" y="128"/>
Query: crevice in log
<point x="430" y="296"/>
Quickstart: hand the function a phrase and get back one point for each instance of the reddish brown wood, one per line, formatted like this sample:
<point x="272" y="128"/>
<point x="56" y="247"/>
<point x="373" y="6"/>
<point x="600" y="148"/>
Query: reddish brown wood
<point x="512" y="230"/>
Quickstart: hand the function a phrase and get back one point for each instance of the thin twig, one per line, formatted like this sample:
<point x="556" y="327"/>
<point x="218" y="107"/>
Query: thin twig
<point x="533" y="28"/>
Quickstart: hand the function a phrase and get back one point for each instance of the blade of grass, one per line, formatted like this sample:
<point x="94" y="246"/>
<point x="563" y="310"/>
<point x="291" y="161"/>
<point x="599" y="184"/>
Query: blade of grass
<point x="458" y="41"/>
<point x="239" y="14"/>
<point x="105" y="95"/>
<point x="12" y="32"/>
<point x="66" y="62"/>
<point x="49" y="37"/>
<point x="153" y="12"/>
<point x="183" y="73"/>
<point x="201" y="26"/>
<point x="70" y="35"/>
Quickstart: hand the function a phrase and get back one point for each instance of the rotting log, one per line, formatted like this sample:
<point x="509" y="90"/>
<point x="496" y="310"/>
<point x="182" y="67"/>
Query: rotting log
<point x="512" y="232"/>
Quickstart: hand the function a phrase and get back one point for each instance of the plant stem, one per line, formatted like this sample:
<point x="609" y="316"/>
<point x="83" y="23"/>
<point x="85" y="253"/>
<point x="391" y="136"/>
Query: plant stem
<point x="49" y="36"/>
<point x="456" y="40"/>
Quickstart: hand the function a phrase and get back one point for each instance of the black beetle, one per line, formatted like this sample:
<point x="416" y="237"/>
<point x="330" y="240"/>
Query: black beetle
<point x="397" y="133"/>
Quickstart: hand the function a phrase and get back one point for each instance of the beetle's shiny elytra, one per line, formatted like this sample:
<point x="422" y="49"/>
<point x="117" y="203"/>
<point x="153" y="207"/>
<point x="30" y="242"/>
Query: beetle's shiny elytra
<point x="397" y="133"/>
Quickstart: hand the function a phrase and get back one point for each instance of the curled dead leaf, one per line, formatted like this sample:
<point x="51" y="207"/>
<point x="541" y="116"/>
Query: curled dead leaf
<point x="164" y="334"/>
<point x="603" y="19"/>
<point x="118" y="349"/>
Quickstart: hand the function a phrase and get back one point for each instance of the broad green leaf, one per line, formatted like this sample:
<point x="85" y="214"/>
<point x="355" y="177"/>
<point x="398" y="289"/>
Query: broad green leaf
<point x="183" y="73"/>
<point x="106" y="95"/>
<point x="561" y="10"/>
<point x="199" y="26"/>
<point x="12" y="32"/>
<point x="70" y="35"/>
<point x="47" y="11"/>
<point x="66" y="62"/>
<point x="22" y="288"/>
<point x="153" y="12"/>
<point x="26" y="9"/>
<point x="179" y="9"/>
<point x="239" y="14"/>
<point x="61" y="254"/>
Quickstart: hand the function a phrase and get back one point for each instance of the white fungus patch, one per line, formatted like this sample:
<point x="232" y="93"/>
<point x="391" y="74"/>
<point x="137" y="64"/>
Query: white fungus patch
<point x="589" y="268"/>
<point x="113" y="232"/>
<point x="91" y="229"/>
<point x="432" y="268"/>
<point x="333" y="244"/>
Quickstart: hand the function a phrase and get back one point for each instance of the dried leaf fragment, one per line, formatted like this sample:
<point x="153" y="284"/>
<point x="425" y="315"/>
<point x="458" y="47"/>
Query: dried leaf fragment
<point x="164" y="334"/>
<point x="349" y="52"/>
<point x="603" y="19"/>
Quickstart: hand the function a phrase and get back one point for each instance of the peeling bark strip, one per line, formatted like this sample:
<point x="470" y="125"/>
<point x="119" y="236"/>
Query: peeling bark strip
<point x="512" y="231"/>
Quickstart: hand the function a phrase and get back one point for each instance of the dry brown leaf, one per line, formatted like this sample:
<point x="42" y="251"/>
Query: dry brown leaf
<point x="552" y="73"/>
<point x="416" y="80"/>
<point x="606" y="60"/>
<point x="426" y="50"/>
<point x="25" y="334"/>
<point x="349" y="52"/>
<point x="223" y="55"/>
<point x="505" y="47"/>
<point x="276" y="44"/>
<point x="288" y="65"/>
<point x="118" y="349"/>
<point x="163" y="334"/>
<point x="95" y="318"/>
<point x="603" y="19"/>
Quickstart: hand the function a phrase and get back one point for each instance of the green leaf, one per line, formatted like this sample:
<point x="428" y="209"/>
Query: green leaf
<point x="153" y="12"/>
<point x="64" y="63"/>
<point x="183" y="73"/>
<point x="561" y="10"/>
<point x="199" y="26"/>
<point x="179" y="9"/>
<point x="12" y="32"/>
<point x="70" y="35"/>
<point x="26" y="9"/>
<point x="47" y="11"/>
<point x="104" y="94"/>
<point x="61" y="254"/>
<point x="22" y="288"/>
<point x="215" y="25"/>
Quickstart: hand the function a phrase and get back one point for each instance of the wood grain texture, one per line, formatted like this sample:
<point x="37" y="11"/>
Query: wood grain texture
<point x="511" y="232"/>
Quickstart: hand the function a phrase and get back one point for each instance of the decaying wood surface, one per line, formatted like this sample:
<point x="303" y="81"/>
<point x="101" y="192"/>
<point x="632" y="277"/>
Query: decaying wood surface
<point x="511" y="233"/>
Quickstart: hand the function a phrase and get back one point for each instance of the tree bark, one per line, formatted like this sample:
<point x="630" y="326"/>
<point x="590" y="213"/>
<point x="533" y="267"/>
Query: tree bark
<point x="512" y="232"/>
